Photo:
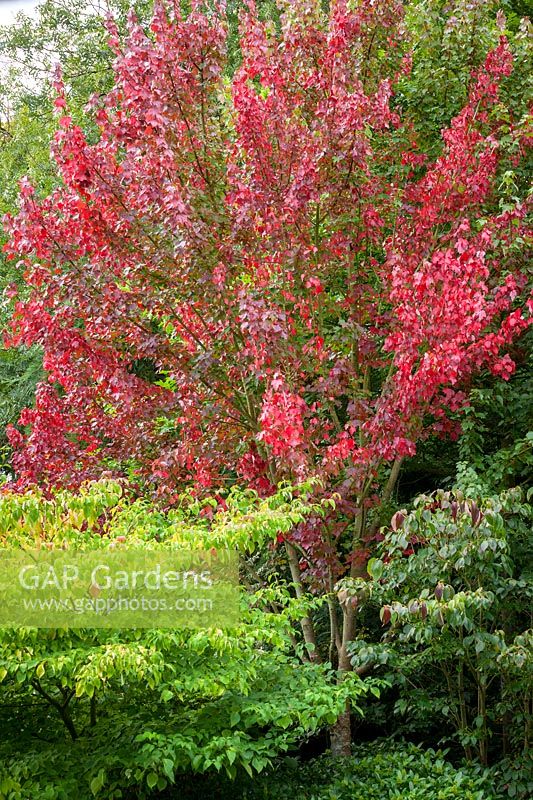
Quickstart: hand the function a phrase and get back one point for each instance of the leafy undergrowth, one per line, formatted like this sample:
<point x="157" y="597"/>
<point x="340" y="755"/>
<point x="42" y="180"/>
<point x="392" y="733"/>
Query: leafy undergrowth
<point x="382" y="770"/>
<point x="379" y="770"/>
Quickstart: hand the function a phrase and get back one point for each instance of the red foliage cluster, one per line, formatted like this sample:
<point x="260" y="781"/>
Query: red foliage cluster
<point x="309" y="290"/>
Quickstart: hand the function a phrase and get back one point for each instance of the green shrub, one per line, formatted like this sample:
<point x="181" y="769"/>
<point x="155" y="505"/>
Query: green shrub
<point x="454" y="581"/>
<point x="386" y="771"/>
<point x="380" y="770"/>
<point x="108" y="714"/>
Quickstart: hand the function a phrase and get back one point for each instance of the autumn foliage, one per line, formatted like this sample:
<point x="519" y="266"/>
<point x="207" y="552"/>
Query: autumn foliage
<point x="262" y="276"/>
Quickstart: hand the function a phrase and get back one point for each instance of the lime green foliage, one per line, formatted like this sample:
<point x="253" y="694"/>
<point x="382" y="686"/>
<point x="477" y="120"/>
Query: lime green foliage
<point x="169" y="703"/>
<point x="139" y="708"/>
<point x="455" y="583"/>
<point x="244" y="521"/>
<point x="34" y="518"/>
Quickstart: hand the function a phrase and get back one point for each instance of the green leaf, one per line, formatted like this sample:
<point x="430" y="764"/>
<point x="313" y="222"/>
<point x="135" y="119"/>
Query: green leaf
<point x="375" y="568"/>
<point x="151" y="780"/>
<point x="168" y="768"/>
<point x="97" y="782"/>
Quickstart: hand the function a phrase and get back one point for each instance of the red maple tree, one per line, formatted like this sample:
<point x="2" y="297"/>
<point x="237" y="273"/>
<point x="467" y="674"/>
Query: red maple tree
<point x="263" y="277"/>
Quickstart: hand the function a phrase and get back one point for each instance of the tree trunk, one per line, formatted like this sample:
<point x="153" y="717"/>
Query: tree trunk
<point x="68" y="723"/>
<point x="482" y="712"/>
<point x="341" y="735"/>
<point x="306" y="622"/>
<point x="62" y="708"/>
<point x="93" y="711"/>
<point x="341" y="731"/>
